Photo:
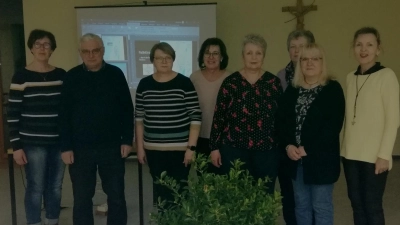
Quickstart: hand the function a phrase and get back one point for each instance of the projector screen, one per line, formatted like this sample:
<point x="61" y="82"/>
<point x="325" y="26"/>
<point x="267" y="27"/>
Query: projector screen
<point x="130" y="32"/>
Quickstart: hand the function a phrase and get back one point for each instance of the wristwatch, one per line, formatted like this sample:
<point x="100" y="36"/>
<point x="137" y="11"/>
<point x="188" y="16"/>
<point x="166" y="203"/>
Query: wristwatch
<point x="192" y="147"/>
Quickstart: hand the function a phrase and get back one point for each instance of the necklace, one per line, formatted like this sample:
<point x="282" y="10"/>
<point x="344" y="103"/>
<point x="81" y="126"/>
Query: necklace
<point x="355" y="101"/>
<point x="305" y="80"/>
<point x="43" y="76"/>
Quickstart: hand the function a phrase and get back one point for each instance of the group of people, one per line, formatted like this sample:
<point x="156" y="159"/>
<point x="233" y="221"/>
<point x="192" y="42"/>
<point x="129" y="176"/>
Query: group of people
<point x="82" y="118"/>
<point x="286" y="126"/>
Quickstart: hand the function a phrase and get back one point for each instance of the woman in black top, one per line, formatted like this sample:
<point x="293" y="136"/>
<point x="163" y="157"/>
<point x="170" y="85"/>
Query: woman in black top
<point x="309" y="121"/>
<point x="244" y="117"/>
<point x="34" y="132"/>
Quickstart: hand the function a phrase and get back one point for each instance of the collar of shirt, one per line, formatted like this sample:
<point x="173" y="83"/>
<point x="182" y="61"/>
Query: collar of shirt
<point x="103" y="64"/>
<point x="373" y="69"/>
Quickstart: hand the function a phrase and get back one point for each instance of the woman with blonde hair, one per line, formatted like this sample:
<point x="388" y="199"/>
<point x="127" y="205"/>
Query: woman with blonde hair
<point x="309" y="121"/>
<point x="243" y="125"/>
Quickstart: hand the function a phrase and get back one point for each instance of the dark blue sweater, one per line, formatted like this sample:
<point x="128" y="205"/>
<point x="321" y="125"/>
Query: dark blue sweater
<point x="97" y="109"/>
<point x="32" y="114"/>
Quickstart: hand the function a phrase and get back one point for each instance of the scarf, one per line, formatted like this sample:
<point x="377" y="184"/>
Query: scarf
<point x="289" y="72"/>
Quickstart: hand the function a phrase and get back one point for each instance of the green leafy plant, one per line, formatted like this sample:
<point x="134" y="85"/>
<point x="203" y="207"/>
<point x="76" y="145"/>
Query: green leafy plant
<point x="234" y="199"/>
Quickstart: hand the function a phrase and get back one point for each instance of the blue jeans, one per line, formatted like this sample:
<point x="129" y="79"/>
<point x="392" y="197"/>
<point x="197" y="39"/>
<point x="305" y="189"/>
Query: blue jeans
<point x="312" y="198"/>
<point x="44" y="176"/>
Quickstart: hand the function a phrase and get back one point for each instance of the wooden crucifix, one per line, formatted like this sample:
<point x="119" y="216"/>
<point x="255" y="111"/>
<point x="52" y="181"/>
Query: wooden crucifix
<point x="299" y="11"/>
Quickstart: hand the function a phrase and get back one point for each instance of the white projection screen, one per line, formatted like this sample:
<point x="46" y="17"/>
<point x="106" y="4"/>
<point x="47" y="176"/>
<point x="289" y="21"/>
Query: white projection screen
<point x="129" y="32"/>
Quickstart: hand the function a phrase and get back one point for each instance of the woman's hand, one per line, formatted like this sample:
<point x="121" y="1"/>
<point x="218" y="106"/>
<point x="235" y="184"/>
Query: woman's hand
<point x="302" y="151"/>
<point x="293" y="152"/>
<point x="68" y="157"/>
<point x="141" y="155"/>
<point x="20" y="157"/>
<point x="188" y="157"/>
<point x="381" y="165"/>
<point x="216" y="158"/>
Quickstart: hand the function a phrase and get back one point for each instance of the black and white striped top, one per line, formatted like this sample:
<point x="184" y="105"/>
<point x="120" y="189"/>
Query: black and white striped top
<point x="168" y="111"/>
<point x="32" y="113"/>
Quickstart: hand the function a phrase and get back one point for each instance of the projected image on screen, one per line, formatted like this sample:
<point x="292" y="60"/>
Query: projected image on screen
<point x="184" y="56"/>
<point x="144" y="67"/>
<point x="131" y="41"/>
<point x="129" y="33"/>
<point x="114" y="47"/>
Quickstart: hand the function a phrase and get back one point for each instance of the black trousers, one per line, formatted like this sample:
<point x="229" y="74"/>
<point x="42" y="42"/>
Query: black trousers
<point x="365" y="191"/>
<point x="83" y="173"/>
<point x="285" y="182"/>
<point x="172" y="163"/>
<point x="260" y="164"/>
<point x="203" y="147"/>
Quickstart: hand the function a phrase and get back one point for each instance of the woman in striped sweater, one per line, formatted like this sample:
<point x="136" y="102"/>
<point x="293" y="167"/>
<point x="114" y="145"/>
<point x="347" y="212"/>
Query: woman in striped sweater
<point x="168" y="119"/>
<point x="33" y="123"/>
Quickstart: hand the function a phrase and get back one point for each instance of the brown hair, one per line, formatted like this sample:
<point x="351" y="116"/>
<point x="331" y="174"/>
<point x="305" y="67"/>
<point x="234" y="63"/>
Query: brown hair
<point x="367" y="30"/>
<point x="163" y="46"/>
<point x="39" y="34"/>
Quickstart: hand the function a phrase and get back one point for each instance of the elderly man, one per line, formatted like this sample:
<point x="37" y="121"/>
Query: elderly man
<point x="96" y="131"/>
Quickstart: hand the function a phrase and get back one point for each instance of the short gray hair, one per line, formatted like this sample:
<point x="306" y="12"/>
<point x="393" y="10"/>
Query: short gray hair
<point x="308" y="35"/>
<point x="91" y="36"/>
<point x="256" y="40"/>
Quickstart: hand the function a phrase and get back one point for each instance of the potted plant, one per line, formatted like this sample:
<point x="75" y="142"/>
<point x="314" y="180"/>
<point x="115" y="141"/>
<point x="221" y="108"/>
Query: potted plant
<point x="234" y="199"/>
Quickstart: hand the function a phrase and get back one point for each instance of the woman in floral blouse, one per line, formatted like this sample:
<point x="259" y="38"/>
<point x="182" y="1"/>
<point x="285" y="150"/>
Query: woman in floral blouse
<point x="309" y="121"/>
<point x="243" y="124"/>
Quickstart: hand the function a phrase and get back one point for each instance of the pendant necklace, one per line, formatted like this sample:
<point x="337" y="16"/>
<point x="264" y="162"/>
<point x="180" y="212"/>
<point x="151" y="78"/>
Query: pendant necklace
<point x="310" y="85"/>
<point x="355" y="102"/>
<point x="43" y="76"/>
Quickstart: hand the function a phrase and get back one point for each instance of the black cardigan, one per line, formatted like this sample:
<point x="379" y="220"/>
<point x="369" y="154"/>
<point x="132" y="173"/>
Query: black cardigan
<point x="319" y="134"/>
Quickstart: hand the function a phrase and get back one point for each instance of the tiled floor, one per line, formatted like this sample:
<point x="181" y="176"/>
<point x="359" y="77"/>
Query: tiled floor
<point x="343" y="213"/>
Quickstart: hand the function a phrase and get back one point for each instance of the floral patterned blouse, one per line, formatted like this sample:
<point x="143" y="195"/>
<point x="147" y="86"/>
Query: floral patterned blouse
<point x="244" y="114"/>
<point x="306" y="97"/>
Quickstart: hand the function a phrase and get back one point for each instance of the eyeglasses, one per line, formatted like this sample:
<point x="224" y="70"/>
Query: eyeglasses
<point x="87" y="52"/>
<point x="45" y="45"/>
<point x="167" y="59"/>
<point x="213" y="54"/>
<point x="313" y="59"/>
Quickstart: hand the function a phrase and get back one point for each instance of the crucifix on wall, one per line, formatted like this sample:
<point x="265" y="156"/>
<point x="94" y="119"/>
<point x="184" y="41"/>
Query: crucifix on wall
<point x="299" y="11"/>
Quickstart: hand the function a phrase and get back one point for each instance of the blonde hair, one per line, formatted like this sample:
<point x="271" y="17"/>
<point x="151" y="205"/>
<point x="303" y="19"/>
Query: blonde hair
<point x="298" y="79"/>
<point x="256" y="40"/>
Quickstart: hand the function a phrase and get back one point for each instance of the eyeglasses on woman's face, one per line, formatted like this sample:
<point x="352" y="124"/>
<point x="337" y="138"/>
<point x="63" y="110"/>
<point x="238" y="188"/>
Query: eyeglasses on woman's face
<point x="167" y="59"/>
<point x="211" y="54"/>
<point x="44" y="45"/>
<point x="312" y="59"/>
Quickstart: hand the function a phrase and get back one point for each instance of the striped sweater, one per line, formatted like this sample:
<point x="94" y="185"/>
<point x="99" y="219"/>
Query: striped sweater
<point x="168" y="111"/>
<point x="32" y="114"/>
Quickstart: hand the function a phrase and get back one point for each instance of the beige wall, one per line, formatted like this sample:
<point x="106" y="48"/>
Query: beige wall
<point x="333" y="25"/>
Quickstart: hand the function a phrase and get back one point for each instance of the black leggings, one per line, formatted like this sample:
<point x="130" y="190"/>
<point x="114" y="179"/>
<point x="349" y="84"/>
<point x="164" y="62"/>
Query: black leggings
<point x="365" y="191"/>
